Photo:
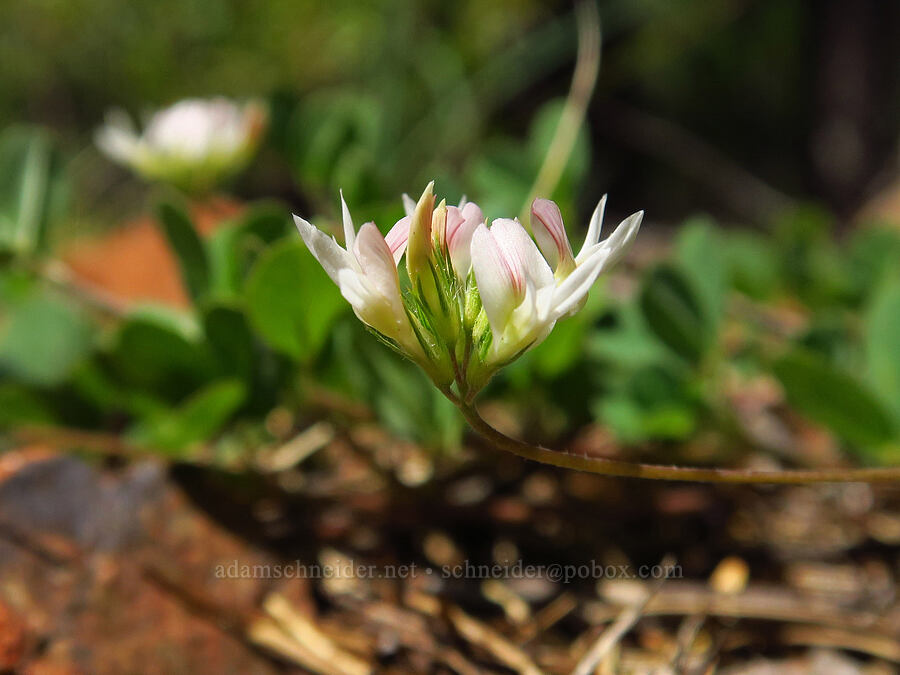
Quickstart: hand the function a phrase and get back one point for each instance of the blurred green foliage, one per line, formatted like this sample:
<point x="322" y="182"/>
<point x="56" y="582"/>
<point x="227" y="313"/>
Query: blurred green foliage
<point x="378" y="98"/>
<point x="267" y="328"/>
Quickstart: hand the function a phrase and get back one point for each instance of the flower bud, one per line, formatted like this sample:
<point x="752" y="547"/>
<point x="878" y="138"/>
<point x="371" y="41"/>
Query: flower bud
<point x="418" y="250"/>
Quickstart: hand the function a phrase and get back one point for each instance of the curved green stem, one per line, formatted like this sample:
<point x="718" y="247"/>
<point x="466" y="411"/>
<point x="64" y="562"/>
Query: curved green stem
<point x="587" y="66"/>
<point x="611" y="467"/>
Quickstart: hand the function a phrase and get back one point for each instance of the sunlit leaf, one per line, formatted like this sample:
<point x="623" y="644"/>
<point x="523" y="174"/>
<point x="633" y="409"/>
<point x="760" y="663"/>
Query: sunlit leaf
<point x="882" y="344"/>
<point x="290" y="301"/>
<point x="42" y="340"/>
<point x="195" y="419"/>
<point x="834" y="399"/>
<point x="33" y="188"/>
<point x="188" y="248"/>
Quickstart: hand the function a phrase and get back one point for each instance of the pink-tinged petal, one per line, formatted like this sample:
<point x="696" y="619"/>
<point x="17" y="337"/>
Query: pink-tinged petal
<point x="377" y="262"/>
<point x="593" y="233"/>
<point x="550" y="233"/>
<point x="398" y="237"/>
<point x="472" y="212"/>
<point x="525" y="259"/>
<point x="602" y="257"/>
<point x="495" y="280"/>
<point x="461" y="224"/>
<point x="325" y="249"/>
<point x="349" y="231"/>
<point x="455" y="218"/>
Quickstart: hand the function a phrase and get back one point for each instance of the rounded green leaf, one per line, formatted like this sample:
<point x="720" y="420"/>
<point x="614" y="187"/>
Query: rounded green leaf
<point x="290" y="301"/>
<point x="674" y="312"/>
<point x="42" y="341"/>
<point x="834" y="399"/>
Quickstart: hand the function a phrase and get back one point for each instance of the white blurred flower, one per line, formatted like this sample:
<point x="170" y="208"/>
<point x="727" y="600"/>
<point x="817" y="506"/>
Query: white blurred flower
<point x="194" y="143"/>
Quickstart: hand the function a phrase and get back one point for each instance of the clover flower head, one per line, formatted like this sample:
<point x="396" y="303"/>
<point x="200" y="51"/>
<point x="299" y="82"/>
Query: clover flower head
<point x="476" y="296"/>
<point x="193" y="144"/>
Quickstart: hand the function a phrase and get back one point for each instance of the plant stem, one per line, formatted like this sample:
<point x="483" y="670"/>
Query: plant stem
<point x="611" y="467"/>
<point x="587" y="66"/>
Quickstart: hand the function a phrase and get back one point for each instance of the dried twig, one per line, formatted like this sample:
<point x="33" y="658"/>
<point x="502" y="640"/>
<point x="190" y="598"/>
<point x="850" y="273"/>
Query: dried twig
<point x="490" y="640"/>
<point x="611" y="636"/>
<point x="769" y="604"/>
<point x="880" y="646"/>
<point x="307" y="636"/>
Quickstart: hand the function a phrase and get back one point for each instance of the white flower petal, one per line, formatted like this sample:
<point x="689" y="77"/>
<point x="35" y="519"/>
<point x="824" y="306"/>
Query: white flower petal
<point x="570" y="293"/>
<point x="409" y="205"/>
<point x="325" y="249"/>
<point x="377" y="263"/>
<point x="354" y="290"/>
<point x="593" y="233"/>
<point x="494" y="278"/>
<point x="621" y="239"/>
<point x="349" y="230"/>
<point x="117" y="138"/>
<point x="600" y="258"/>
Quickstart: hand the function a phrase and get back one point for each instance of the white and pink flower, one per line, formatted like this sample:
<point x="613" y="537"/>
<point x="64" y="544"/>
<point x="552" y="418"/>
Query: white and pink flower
<point x="366" y="273"/>
<point x="481" y="295"/>
<point x="525" y="293"/>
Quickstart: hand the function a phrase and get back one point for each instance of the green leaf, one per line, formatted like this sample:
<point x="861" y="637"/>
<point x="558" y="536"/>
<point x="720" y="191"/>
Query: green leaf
<point x="882" y="344"/>
<point x="42" y="341"/>
<point x="20" y="405"/>
<point x="624" y="341"/>
<point x="873" y="255"/>
<point x="290" y="301"/>
<point x="635" y="423"/>
<point x="196" y="419"/>
<point x="834" y="399"/>
<point x="233" y="249"/>
<point x="33" y="188"/>
<point x="674" y="312"/>
<point x="188" y="248"/>
<point x="161" y="353"/>
<point x="698" y="249"/>
<point x="265" y="222"/>
<point x="231" y="340"/>
<point x="752" y="264"/>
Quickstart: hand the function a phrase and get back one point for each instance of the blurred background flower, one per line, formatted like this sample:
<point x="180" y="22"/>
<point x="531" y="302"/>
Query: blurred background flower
<point x="193" y="144"/>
